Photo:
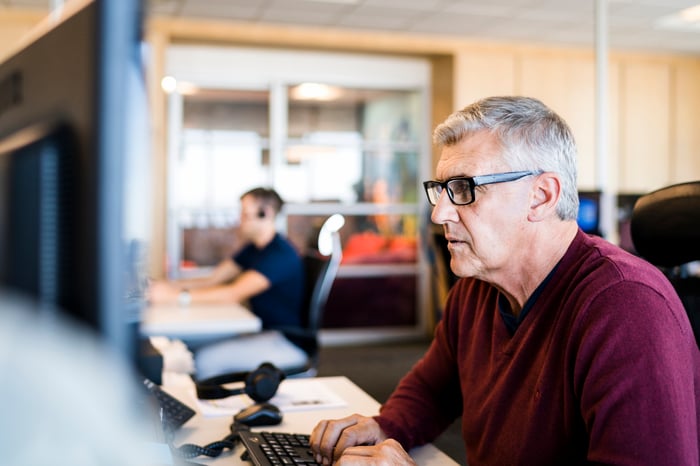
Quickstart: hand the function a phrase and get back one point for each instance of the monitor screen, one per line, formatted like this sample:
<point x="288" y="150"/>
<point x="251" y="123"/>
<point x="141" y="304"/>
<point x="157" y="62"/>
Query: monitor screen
<point x="38" y="236"/>
<point x="589" y="212"/>
<point x="73" y="166"/>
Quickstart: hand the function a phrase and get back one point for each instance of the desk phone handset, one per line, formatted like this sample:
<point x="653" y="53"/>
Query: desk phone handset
<point x="174" y="413"/>
<point x="260" y="385"/>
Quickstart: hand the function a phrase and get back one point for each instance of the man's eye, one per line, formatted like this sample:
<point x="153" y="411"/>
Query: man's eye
<point x="459" y="186"/>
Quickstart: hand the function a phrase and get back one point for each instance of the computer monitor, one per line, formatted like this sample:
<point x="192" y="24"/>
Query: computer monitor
<point x="589" y="212"/>
<point x="74" y="168"/>
<point x="625" y="205"/>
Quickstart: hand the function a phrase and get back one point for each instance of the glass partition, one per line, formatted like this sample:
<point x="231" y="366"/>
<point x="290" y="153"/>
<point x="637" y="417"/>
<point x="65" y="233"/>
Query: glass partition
<point x="358" y="148"/>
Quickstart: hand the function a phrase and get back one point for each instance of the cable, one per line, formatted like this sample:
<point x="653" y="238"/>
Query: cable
<point x="214" y="449"/>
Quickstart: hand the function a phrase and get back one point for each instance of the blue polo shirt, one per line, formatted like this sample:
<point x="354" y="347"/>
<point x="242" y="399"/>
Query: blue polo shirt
<point x="281" y="304"/>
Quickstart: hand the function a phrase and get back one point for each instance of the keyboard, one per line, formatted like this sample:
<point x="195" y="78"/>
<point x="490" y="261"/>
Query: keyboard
<point x="175" y="412"/>
<point x="277" y="448"/>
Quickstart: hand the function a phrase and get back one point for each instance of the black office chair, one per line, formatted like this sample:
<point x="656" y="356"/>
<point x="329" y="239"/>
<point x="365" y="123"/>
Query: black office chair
<point x="665" y="229"/>
<point x="293" y="350"/>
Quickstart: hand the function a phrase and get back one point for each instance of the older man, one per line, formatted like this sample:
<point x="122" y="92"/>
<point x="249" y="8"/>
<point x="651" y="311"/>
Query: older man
<point x="556" y="347"/>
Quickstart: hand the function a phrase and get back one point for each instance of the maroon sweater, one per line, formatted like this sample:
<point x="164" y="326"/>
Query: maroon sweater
<point x="603" y="369"/>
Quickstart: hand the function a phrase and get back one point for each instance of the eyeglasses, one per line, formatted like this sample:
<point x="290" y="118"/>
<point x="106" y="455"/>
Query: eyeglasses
<point x="461" y="189"/>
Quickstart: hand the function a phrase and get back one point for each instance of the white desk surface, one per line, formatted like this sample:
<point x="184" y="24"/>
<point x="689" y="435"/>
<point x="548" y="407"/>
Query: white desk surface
<point x="202" y="430"/>
<point x="199" y="320"/>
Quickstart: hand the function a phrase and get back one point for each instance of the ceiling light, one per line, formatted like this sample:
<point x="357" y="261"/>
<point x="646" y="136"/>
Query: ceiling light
<point x="315" y="91"/>
<point x="691" y="15"/>
<point x="684" y="20"/>
<point x="168" y="84"/>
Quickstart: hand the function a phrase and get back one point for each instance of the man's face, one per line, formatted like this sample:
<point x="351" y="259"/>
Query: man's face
<point x="483" y="237"/>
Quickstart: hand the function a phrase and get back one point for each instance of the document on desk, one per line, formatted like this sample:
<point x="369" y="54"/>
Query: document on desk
<point x="292" y="395"/>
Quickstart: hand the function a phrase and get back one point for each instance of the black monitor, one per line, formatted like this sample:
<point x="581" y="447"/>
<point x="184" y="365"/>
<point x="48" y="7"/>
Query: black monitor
<point x="625" y="206"/>
<point x="74" y="168"/>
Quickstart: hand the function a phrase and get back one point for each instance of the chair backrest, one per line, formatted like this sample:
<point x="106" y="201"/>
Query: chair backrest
<point x="321" y="271"/>
<point x="315" y="267"/>
<point x="665" y="229"/>
<point x="665" y="225"/>
<point x="321" y="268"/>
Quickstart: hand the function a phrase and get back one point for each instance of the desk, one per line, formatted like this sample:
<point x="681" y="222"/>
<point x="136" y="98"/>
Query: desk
<point x="201" y="430"/>
<point x="198" y="321"/>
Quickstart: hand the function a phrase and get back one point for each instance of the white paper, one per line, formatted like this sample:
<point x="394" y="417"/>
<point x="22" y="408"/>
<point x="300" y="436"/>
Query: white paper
<point x="292" y="395"/>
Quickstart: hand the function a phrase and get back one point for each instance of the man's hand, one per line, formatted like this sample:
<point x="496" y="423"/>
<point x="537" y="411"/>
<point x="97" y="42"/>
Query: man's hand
<point x="162" y="292"/>
<point x="386" y="453"/>
<point x="331" y="438"/>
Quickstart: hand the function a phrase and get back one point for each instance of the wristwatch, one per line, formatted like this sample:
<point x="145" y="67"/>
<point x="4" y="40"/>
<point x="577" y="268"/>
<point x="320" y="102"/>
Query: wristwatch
<point x="184" y="298"/>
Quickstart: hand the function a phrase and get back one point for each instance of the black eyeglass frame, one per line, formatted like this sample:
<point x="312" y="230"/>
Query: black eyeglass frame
<point x="473" y="182"/>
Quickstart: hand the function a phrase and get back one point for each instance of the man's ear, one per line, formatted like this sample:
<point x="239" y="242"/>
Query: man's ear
<point x="545" y="194"/>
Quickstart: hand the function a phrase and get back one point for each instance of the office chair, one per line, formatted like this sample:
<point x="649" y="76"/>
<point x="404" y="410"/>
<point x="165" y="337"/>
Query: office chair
<point x="293" y="350"/>
<point x="665" y="229"/>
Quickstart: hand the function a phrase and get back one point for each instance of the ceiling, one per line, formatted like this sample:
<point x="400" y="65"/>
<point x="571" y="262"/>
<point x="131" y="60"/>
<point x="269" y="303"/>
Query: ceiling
<point x="650" y="25"/>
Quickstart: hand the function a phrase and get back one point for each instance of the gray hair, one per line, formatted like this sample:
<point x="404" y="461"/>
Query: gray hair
<point x="531" y="135"/>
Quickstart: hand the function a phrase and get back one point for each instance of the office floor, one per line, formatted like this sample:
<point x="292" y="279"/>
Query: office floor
<point x="377" y="369"/>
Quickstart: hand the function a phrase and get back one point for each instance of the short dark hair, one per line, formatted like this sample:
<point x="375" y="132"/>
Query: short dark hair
<point x="267" y="197"/>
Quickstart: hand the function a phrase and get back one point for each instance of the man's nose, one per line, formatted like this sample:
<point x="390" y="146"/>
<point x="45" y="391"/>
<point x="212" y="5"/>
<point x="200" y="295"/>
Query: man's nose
<point x="444" y="210"/>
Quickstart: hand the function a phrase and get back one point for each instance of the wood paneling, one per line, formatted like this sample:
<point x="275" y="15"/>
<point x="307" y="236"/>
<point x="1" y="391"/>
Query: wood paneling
<point x="442" y="95"/>
<point x="685" y="164"/>
<point x="14" y="26"/>
<point x="566" y="83"/>
<point x="483" y="74"/>
<point x="645" y="125"/>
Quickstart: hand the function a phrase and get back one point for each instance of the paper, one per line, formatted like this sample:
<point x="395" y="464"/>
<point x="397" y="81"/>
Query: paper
<point x="292" y="395"/>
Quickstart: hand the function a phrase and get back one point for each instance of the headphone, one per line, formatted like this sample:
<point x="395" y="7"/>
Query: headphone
<point x="260" y="384"/>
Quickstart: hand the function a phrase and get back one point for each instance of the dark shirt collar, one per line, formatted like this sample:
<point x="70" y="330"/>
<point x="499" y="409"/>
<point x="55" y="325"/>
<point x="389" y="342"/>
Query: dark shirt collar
<point x="512" y="322"/>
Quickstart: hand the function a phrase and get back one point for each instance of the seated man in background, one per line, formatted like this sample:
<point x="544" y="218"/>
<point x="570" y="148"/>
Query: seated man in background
<point x="267" y="272"/>
<point x="555" y="347"/>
